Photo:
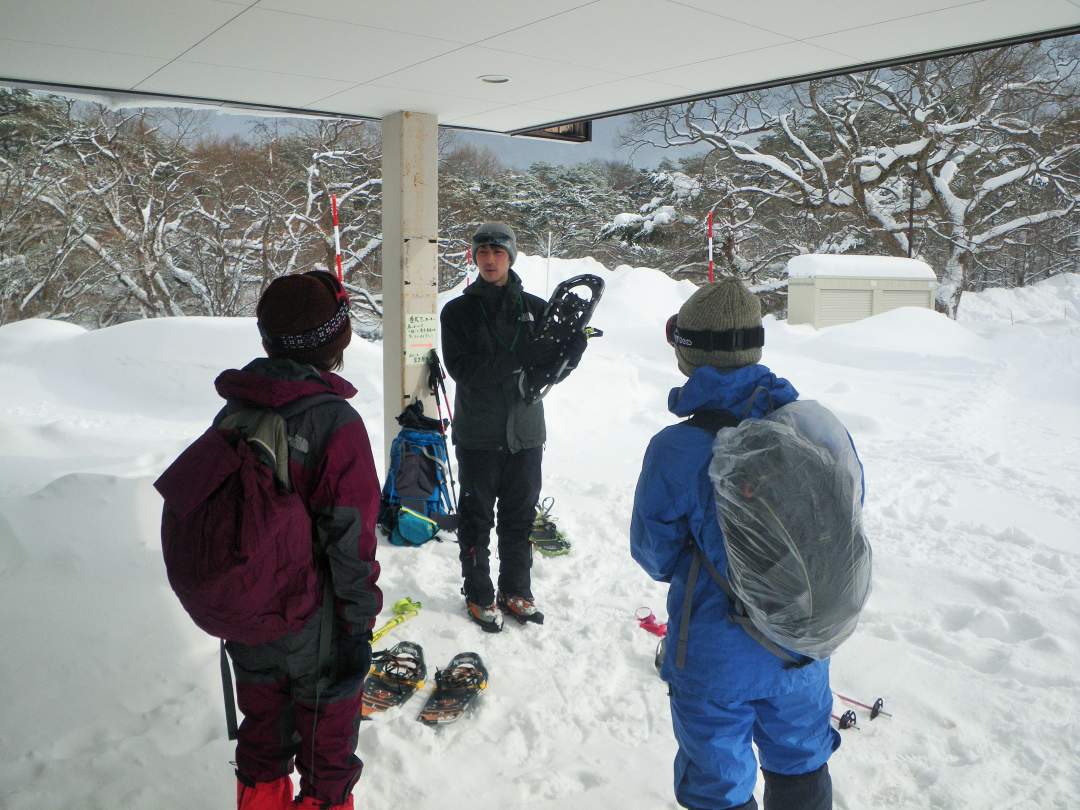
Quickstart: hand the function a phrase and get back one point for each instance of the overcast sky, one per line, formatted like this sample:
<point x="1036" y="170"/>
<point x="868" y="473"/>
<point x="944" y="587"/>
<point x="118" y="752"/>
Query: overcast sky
<point x="520" y="152"/>
<point x="516" y="151"/>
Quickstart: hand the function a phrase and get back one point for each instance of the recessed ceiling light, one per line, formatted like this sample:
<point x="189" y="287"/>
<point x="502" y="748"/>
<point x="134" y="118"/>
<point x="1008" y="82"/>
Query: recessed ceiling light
<point x="494" y="78"/>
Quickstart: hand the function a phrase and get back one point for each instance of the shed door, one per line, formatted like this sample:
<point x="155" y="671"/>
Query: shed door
<point x="843" y="306"/>
<point x="891" y="299"/>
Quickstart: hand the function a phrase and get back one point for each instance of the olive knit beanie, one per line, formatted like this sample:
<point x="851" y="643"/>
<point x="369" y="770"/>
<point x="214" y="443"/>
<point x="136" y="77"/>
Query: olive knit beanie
<point x="727" y="304"/>
<point x="498" y="234"/>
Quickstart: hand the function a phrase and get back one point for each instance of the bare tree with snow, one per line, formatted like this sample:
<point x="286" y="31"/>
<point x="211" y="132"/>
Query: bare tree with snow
<point x="967" y="151"/>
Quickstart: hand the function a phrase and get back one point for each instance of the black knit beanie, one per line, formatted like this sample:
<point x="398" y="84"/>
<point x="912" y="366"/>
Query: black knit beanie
<point x="305" y="318"/>
<point x="727" y="304"/>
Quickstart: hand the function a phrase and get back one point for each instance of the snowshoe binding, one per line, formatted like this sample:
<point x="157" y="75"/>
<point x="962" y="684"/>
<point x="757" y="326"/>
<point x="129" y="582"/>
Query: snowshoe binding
<point x="395" y="675"/>
<point x="545" y="535"/>
<point x="456" y="689"/>
<point x="520" y="607"/>
<point x="566" y="314"/>
<point x="487" y="617"/>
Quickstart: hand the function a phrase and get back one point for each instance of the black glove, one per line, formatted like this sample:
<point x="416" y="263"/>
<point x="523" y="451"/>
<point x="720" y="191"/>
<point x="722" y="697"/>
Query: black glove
<point x="538" y="353"/>
<point x="353" y="656"/>
<point x="576" y="347"/>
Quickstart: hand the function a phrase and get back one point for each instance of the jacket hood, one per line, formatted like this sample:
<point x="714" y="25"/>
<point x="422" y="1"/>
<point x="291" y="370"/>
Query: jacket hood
<point x="273" y="383"/>
<point x="732" y="390"/>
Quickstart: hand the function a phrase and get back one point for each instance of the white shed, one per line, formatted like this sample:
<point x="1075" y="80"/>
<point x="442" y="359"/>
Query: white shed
<point x="825" y="289"/>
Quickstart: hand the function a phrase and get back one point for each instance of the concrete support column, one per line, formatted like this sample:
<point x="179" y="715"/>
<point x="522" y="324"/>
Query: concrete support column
<point x="410" y="201"/>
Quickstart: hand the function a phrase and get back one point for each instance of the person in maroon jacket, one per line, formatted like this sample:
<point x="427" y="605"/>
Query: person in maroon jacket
<point x="304" y="323"/>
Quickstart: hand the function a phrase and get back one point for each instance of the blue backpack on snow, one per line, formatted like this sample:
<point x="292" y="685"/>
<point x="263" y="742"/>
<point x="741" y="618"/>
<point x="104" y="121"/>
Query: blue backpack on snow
<point x="416" y="498"/>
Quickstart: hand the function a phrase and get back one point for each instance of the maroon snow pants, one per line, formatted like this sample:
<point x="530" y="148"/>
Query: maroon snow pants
<point x="283" y="719"/>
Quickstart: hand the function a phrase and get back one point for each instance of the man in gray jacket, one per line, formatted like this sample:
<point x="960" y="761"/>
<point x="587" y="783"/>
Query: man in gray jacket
<point x="487" y="341"/>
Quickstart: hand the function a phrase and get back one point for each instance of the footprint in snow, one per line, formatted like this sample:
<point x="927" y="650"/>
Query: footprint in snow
<point x="1010" y="627"/>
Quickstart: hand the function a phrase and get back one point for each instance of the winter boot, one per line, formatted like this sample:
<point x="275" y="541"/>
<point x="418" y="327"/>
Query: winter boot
<point x="311" y="803"/>
<point x="805" y="791"/>
<point x="251" y="795"/>
<point x="520" y="607"/>
<point x="486" y="616"/>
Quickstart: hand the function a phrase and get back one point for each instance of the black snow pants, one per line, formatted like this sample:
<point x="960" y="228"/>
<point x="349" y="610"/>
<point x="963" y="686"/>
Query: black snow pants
<point x="807" y="791"/>
<point x="513" y="480"/>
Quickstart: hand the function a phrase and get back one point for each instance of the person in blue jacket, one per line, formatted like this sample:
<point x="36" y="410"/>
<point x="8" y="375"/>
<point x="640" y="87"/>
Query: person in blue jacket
<point x="726" y="689"/>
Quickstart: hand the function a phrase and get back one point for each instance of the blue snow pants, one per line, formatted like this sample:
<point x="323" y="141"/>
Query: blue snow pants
<point x="715" y="767"/>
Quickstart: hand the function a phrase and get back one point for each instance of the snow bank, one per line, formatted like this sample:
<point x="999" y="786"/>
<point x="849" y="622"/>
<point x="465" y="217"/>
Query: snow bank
<point x="33" y="334"/>
<point x="911" y="338"/>
<point x="1055" y="299"/>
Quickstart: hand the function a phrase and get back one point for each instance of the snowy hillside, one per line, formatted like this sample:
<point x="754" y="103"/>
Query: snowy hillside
<point x="970" y="434"/>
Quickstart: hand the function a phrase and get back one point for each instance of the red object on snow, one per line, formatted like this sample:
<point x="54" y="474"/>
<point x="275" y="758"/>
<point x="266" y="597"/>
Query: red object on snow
<point x="648" y="622"/>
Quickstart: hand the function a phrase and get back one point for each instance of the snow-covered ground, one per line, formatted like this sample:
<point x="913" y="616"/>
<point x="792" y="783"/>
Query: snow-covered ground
<point x="970" y="433"/>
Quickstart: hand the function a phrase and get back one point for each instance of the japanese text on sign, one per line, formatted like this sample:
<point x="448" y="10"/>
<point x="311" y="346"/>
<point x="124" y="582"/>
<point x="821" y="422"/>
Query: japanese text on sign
<point x="420" y="332"/>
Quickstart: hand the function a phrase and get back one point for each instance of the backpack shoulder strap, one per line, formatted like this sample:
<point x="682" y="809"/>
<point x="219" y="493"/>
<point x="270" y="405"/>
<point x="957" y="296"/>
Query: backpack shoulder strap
<point x="711" y="420"/>
<point x="264" y="429"/>
<point x="738" y="615"/>
<point x="325" y="658"/>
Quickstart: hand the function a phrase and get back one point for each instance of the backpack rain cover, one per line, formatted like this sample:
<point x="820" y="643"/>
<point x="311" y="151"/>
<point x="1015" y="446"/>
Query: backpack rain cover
<point x="789" y="490"/>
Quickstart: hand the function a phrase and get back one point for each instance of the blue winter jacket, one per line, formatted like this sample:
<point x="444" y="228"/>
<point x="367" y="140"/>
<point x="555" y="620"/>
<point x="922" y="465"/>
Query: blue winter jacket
<point x="674" y="506"/>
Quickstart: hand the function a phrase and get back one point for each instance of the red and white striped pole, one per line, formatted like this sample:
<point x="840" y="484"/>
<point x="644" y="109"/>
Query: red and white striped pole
<point x="710" y="248"/>
<point x="337" y="238"/>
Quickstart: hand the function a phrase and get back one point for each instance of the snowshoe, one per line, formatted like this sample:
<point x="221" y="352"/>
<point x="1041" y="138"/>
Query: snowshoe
<point x="545" y="535"/>
<point x="566" y="313"/>
<point x="395" y="675"/>
<point x="486" y="616"/>
<point x="520" y="607"/>
<point x="456" y="689"/>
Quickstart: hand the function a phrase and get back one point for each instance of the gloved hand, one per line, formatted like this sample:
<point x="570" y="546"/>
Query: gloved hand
<point x="538" y="353"/>
<point x="556" y="370"/>
<point x="576" y="347"/>
<point x="353" y="656"/>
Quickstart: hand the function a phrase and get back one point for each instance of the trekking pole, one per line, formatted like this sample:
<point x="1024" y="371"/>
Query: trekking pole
<point x="441" y="379"/>
<point x="875" y="710"/>
<point x="436" y="375"/>
<point x="404" y="609"/>
<point x="847" y="720"/>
